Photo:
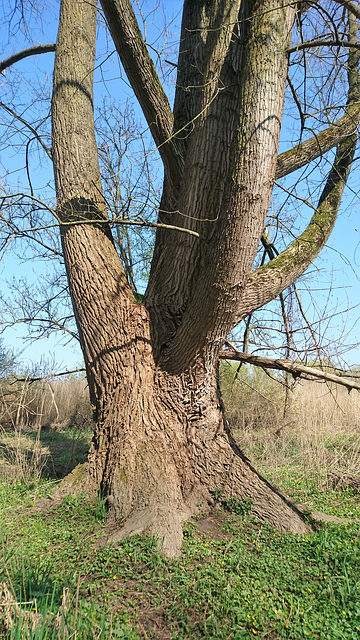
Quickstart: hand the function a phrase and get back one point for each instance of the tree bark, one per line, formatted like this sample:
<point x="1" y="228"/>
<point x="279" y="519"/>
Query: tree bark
<point x="162" y="445"/>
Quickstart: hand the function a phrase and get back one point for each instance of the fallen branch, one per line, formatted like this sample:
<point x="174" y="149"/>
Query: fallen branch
<point x="296" y="370"/>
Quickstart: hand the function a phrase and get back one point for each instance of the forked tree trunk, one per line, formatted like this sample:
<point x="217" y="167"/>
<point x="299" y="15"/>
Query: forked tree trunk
<point x="161" y="444"/>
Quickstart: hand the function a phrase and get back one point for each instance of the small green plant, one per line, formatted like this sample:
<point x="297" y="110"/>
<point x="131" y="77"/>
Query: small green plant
<point x="71" y="503"/>
<point x="216" y="494"/>
<point x="100" y="512"/>
<point x="237" y="506"/>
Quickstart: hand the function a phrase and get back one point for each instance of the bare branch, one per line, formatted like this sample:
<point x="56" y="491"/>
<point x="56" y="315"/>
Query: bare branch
<point x="297" y="370"/>
<point x="143" y="78"/>
<point x="26" y="53"/>
<point x="48" y="377"/>
<point x="350" y="6"/>
<point x="329" y="138"/>
<point x="29" y="126"/>
<point x="324" y="43"/>
<point x="318" y="145"/>
<point x="117" y="221"/>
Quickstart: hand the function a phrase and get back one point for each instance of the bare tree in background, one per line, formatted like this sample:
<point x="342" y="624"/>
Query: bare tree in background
<point x="161" y="445"/>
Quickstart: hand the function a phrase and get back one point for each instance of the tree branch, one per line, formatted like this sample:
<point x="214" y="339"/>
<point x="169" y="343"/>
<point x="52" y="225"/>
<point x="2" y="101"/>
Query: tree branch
<point x="143" y="78"/>
<point x="26" y="53"/>
<point x="206" y="39"/>
<point x="47" y="377"/>
<point x="82" y="220"/>
<point x="324" y="43"/>
<point x="350" y="6"/>
<point x="318" y="145"/>
<point x="297" y="370"/>
<point x="28" y="125"/>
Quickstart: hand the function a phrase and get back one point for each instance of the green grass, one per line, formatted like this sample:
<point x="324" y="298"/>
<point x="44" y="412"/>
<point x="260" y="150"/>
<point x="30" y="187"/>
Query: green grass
<point x="239" y="580"/>
<point x="235" y="578"/>
<point x="302" y="489"/>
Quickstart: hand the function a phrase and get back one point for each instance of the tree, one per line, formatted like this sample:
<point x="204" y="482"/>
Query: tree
<point x="161" y="446"/>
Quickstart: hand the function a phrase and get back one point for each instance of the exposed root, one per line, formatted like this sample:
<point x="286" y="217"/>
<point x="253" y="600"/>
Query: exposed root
<point x="163" y="523"/>
<point x="76" y="482"/>
<point x="223" y="467"/>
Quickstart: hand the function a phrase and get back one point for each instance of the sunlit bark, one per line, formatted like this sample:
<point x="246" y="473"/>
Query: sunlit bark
<point x="161" y="444"/>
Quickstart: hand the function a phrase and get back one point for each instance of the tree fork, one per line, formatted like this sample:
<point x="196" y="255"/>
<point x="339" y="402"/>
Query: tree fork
<point x="161" y="443"/>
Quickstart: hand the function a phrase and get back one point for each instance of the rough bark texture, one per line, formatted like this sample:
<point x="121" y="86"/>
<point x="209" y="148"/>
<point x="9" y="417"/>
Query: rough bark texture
<point x="161" y="443"/>
<point x="229" y="165"/>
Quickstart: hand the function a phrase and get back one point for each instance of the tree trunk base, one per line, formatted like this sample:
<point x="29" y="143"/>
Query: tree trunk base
<point x="162" y="451"/>
<point x="164" y="517"/>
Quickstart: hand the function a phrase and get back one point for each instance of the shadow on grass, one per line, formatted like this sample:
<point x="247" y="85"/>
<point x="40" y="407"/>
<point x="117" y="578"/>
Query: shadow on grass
<point x="53" y="454"/>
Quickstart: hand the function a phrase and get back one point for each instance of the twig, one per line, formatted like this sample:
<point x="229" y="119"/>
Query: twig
<point x="50" y="375"/>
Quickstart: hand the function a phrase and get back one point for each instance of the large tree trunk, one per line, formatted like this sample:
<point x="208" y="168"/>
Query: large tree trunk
<point x="161" y="444"/>
<point x="162" y="448"/>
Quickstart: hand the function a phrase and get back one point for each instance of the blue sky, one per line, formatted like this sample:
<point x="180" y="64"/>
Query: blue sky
<point x="339" y="262"/>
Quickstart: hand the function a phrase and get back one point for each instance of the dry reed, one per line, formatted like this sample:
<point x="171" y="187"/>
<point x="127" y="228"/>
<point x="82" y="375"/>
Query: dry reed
<point x="317" y="437"/>
<point x="26" y="409"/>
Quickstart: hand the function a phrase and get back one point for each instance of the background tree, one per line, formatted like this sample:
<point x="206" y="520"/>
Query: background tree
<point x="161" y="445"/>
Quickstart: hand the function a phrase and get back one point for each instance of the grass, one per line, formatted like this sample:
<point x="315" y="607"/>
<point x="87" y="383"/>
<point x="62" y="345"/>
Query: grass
<point x="235" y="579"/>
<point x="315" y="441"/>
